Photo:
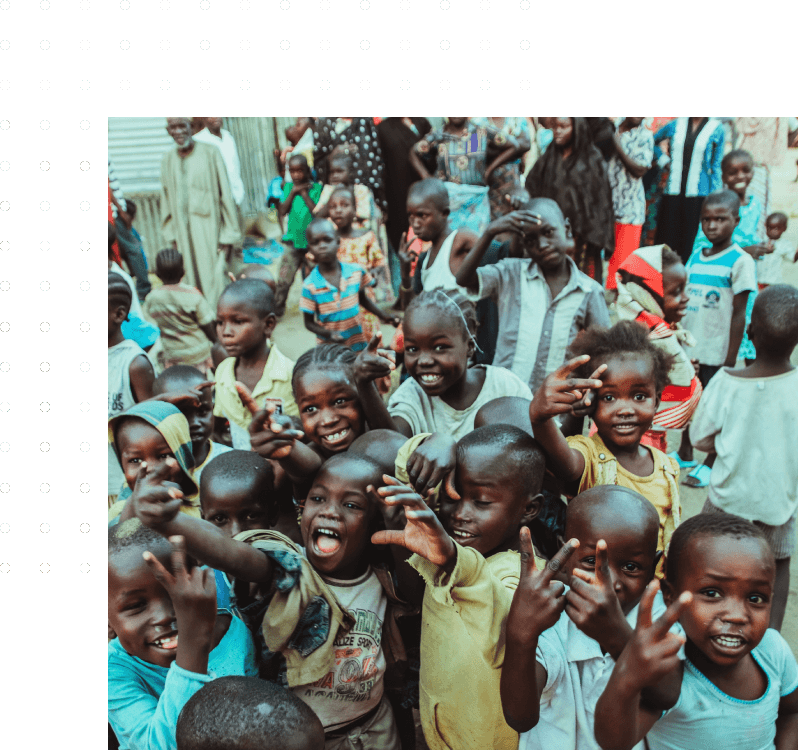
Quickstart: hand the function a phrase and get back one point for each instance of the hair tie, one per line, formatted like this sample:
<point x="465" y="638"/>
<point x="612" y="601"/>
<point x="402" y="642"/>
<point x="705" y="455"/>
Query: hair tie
<point x="462" y="317"/>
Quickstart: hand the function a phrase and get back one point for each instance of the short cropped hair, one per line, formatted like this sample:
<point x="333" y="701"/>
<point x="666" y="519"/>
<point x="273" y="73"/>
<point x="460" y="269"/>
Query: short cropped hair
<point x="247" y="713"/>
<point x="626" y="337"/>
<point x="169" y="265"/>
<point x="431" y="189"/>
<point x="119" y="292"/>
<point x="254" y="292"/>
<point x="518" y="447"/>
<point x="737" y="154"/>
<point x="176" y="377"/>
<point x="710" y="525"/>
<point x="726" y="198"/>
<point x="240" y="466"/>
<point x="774" y="319"/>
<point x="134" y="535"/>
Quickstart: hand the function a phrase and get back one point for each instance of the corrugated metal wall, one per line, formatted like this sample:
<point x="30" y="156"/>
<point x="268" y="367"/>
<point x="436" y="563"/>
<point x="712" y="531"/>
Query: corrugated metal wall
<point x="136" y="145"/>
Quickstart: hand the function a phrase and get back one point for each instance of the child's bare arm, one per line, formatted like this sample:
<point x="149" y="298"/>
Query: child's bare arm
<point x="285" y="206"/>
<point x="315" y="327"/>
<point x="209" y="329"/>
<point x="304" y="192"/>
<point x="737" y="327"/>
<point x="787" y="722"/>
<point x="651" y="655"/>
<point x="142" y="377"/>
<point x="537" y="605"/>
<point x="557" y="395"/>
<point x="370" y="306"/>
<point x="507" y="154"/>
<point x="418" y="165"/>
<point x="371" y="364"/>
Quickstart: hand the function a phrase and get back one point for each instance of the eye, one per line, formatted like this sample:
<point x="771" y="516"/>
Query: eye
<point x="164" y="455"/>
<point x="441" y="347"/>
<point x="315" y="499"/>
<point x="341" y="401"/>
<point x="254" y="515"/>
<point x="631" y="567"/>
<point x="588" y="562"/>
<point x="711" y="593"/>
<point x="134" y="460"/>
<point x="758" y="599"/>
<point x="411" y="349"/>
<point x="352" y="506"/>
<point x="309" y="409"/>
<point x="482" y="503"/>
<point x="134" y="606"/>
<point x="640" y="396"/>
<point x="608" y="397"/>
<point x="218" y="520"/>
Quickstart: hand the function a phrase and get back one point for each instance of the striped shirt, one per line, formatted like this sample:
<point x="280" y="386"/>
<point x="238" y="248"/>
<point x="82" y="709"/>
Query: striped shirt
<point x="712" y="284"/>
<point x="338" y="310"/>
<point x="521" y="293"/>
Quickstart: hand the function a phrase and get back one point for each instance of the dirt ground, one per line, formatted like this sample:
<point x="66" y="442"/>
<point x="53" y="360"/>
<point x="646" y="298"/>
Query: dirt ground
<point x="293" y="339"/>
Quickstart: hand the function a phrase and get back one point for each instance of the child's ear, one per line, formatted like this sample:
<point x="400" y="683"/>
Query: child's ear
<point x="111" y="632"/>
<point x="532" y="508"/>
<point x="668" y="592"/>
<point x="270" y="323"/>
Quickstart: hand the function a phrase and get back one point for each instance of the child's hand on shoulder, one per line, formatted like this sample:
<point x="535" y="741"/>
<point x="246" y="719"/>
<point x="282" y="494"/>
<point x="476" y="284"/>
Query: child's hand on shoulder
<point x="592" y="604"/>
<point x="653" y="651"/>
<point x="560" y="391"/>
<point x="270" y="435"/>
<point x="156" y="500"/>
<point x="373" y="363"/>
<point x="538" y="601"/>
<point x="422" y="533"/>
<point x="432" y="463"/>
<point x="193" y="593"/>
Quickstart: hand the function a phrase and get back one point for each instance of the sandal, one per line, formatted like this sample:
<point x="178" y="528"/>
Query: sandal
<point x="682" y="463"/>
<point x="698" y="477"/>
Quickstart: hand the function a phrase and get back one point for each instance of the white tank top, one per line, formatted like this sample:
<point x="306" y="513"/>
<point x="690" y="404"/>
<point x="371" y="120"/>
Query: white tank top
<point x="440" y="275"/>
<point x="120" y="398"/>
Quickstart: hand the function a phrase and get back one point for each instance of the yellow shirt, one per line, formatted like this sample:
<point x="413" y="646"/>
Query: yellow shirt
<point x="462" y="649"/>
<point x="274" y="386"/>
<point x="660" y="488"/>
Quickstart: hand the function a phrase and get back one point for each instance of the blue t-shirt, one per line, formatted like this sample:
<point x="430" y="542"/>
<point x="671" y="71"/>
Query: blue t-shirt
<point x="144" y="700"/>
<point x="706" y="718"/>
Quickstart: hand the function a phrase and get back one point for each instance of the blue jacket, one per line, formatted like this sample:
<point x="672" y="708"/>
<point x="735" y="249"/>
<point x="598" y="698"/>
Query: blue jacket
<point x="704" y="176"/>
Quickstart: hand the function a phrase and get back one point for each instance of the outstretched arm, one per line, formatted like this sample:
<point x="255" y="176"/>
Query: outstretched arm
<point x="373" y="363"/>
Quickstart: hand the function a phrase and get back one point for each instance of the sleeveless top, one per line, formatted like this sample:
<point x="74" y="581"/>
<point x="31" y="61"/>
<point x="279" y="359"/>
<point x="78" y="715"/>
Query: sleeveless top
<point x="440" y="275"/>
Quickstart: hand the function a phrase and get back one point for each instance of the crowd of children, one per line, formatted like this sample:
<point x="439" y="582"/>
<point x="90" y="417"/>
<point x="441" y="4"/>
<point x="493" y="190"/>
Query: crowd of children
<point x="302" y="554"/>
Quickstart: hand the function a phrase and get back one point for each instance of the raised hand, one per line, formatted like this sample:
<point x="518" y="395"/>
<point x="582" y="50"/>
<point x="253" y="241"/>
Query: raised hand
<point x="423" y="533"/>
<point x="591" y="602"/>
<point x="560" y="391"/>
<point x="156" y="500"/>
<point x="431" y="463"/>
<point x="372" y="362"/>
<point x="538" y="601"/>
<point x="653" y="651"/>
<point x="270" y="435"/>
<point x="521" y="222"/>
<point x="406" y="256"/>
<point x="193" y="595"/>
<point x="189" y="397"/>
<point x="586" y="405"/>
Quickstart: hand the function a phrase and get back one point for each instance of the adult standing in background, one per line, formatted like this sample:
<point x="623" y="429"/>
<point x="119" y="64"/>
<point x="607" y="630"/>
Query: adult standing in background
<point x="396" y="136"/>
<point x="357" y="138"/>
<point x="198" y="213"/>
<point x="694" y="153"/>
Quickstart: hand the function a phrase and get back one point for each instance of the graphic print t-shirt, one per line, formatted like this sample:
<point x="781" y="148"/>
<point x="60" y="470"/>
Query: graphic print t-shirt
<point x="355" y="684"/>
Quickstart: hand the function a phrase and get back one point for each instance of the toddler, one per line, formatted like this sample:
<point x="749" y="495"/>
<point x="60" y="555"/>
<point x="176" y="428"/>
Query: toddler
<point x="739" y="684"/>
<point x="130" y="371"/>
<point x="185" y="318"/>
<point x="169" y="639"/>
<point x="245" y="322"/>
<point x="748" y="417"/>
<point x="769" y="264"/>
<point x="240" y="713"/>
<point x="334" y="292"/>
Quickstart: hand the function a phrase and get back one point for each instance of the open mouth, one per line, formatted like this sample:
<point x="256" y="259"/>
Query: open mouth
<point x="624" y="429"/>
<point x="336" y="438"/>
<point x="167" y="642"/>
<point x="430" y="379"/>
<point x="729" y="642"/>
<point x="462" y="536"/>
<point x="326" y="541"/>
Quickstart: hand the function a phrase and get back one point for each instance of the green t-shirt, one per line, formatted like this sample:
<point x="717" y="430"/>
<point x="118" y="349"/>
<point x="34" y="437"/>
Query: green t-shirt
<point x="299" y="216"/>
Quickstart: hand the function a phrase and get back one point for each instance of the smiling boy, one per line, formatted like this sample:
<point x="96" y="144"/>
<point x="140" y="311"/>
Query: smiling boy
<point x="544" y="300"/>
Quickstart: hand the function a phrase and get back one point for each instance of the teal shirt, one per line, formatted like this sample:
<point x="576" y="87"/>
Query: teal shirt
<point x="299" y="216"/>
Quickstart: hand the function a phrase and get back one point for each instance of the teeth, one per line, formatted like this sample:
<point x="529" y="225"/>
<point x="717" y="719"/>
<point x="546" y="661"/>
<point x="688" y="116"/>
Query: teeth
<point x="430" y="378"/>
<point x="328" y="532"/>
<point x="169" y="642"/>
<point x="462" y="534"/>
<point x="336" y="436"/>
<point x="729" y="641"/>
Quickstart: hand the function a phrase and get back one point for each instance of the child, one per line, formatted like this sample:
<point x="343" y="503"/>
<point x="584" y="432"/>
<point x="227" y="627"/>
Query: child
<point x="334" y="292"/>
<point x="749" y="418"/>
<point x="719" y="280"/>
<point x="633" y="375"/>
<point x="175" y="385"/>
<point x="245" y="323"/>
<point x="562" y="640"/>
<point x="443" y="393"/>
<point x="544" y="293"/>
<point x="738" y="688"/>
<point x="469" y="583"/>
<point x="428" y="212"/>
<point x="168" y="637"/>
<point x="186" y="320"/>
<point x="633" y="145"/>
<point x="152" y="440"/>
<point x="240" y="713"/>
<point x="299" y="199"/>
<point x="651" y="290"/>
<point x="130" y="372"/>
<point x="329" y="611"/>
<point x="362" y="248"/>
<point x="769" y="264"/>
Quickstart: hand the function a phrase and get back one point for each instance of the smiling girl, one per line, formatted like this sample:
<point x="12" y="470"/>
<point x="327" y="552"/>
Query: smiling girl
<point x="624" y="401"/>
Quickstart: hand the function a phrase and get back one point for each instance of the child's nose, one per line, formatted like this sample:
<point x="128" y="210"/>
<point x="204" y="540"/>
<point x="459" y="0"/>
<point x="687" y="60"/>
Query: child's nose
<point x="164" y="613"/>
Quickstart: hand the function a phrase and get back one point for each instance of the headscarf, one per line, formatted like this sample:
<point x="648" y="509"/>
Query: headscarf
<point x="173" y="425"/>
<point x="580" y="186"/>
